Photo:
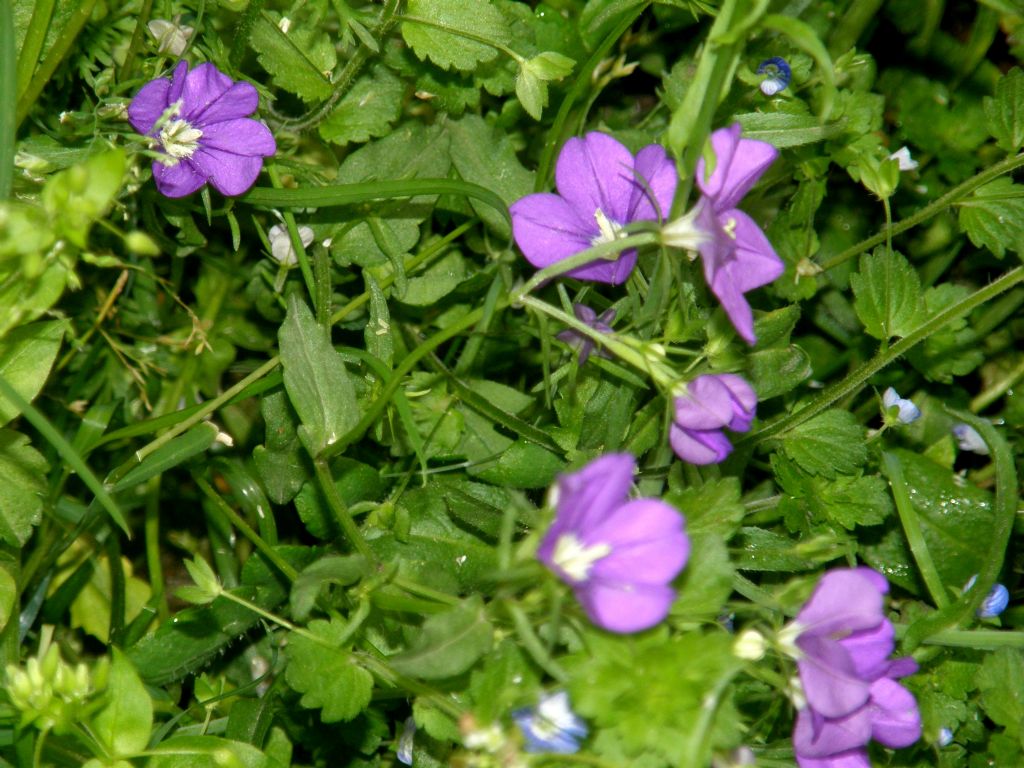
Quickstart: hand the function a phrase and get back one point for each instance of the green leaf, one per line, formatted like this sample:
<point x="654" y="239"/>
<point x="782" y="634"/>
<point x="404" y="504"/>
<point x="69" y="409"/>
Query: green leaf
<point x="439" y="39"/>
<point x="774" y="372"/>
<point x="1001" y="680"/>
<point x="207" y="752"/>
<point x="532" y="92"/>
<point x="8" y="594"/>
<point x="448" y="643"/>
<point x="332" y="569"/>
<point x="713" y="507"/>
<point x="888" y="294"/>
<point x="993" y="217"/>
<point x="299" y="61"/>
<point x="953" y="350"/>
<point x="435" y="283"/>
<point x="523" y="465"/>
<point x="78" y="196"/>
<point x="316" y="379"/>
<point x="1005" y="113"/>
<point x="378" y="337"/>
<point x="829" y="444"/>
<point x="22" y="487"/>
<point x="782" y="130"/>
<point x="327" y="676"/>
<point x="26" y="356"/>
<point x="366" y="111"/>
<point x="124" y="723"/>
<point x="168" y="456"/>
<point x="207" y="586"/>
<point x="280" y="463"/>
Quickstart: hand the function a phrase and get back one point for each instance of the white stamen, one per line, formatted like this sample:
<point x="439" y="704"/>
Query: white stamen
<point x="730" y="228"/>
<point x="575" y="559"/>
<point x="608" y="229"/>
<point x="179" y="140"/>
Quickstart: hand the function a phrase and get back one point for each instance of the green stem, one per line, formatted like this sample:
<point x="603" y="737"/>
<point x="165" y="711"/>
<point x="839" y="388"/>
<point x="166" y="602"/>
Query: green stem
<point x="239" y="522"/>
<point x="532" y="643"/>
<point x="997" y="389"/>
<point x="340" y="510"/>
<point x="956" y="193"/>
<point x="141" y="20"/>
<point x="8" y="83"/>
<point x="978" y="639"/>
<point x="849" y="29"/>
<point x="855" y="380"/>
<point x="293" y="234"/>
<point x="60" y="49"/>
<point x="32" y="45"/>
<point x="912" y="529"/>
<point x="608" y="251"/>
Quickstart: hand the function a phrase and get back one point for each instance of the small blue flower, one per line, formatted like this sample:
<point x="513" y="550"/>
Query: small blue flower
<point x="404" y="749"/>
<point x="968" y="439"/>
<point x="945" y="737"/>
<point x="778" y="75"/>
<point x="994" y="603"/>
<point x="551" y="726"/>
<point x="906" y="410"/>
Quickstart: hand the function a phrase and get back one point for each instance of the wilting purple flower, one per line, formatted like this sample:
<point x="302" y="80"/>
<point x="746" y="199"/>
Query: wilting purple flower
<point x="601" y="188"/>
<point x="906" y="411"/>
<point x="584" y="344"/>
<point x="968" y="439"/>
<point x="777" y="75"/>
<point x="711" y="403"/>
<point x="737" y="256"/>
<point x="995" y="601"/>
<point x="199" y="120"/>
<point x="551" y="726"/>
<point x="843" y="643"/>
<point x="619" y="556"/>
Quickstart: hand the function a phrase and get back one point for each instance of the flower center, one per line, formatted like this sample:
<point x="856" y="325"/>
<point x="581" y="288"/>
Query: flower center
<point x="179" y="139"/>
<point x="730" y="228"/>
<point x="608" y="230"/>
<point x="575" y="559"/>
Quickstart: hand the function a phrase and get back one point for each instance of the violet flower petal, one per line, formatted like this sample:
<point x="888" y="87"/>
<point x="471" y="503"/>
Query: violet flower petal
<point x="204" y="85"/>
<point x="707" y="404"/>
<point x="739" y="163"/>
<point x="148" y="105"/>
<point x="228" y="173"/>
<point x="649" y="545"/>
<point x="177" y="180"/>
<point x="744" y="401"/>
<point x="657" y="177"/>
<point x="625" y="607"/>
<point x="870" y="649"/>
<point x="845" y="601"/>
<point x="593" y="492"/>
<point x="241" y="136"/>
<point x="815" y="736"/>
<point x="829" y="677"/>
<point x="757" y="260"/>
<point x="895" y="719"/>
<point x="547" y="229"/>
<point x="596" y="173"/>
<point x="238" y="101"/>
<point x="853" y="759"/>
<point x="178" y="78"/>
<point x="699" y="446"/>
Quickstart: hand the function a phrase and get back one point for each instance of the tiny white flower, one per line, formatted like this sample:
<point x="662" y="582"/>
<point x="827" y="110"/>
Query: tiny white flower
<point x="903" y="158"/>
<point x="171" y="36"/>
<point x="749" y="645"/>
<point x="281" y="243"/>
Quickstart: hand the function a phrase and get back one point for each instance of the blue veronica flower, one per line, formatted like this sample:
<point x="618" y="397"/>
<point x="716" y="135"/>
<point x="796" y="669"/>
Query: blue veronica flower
<point x="968" y="439"/>
<point x="403" y="751"/>
<point x="906" y="411"/>
<point x="551" y="726"/>
<point x="945" y="737"/>
<point x="994" y="603"/>
<point x="778" y="75"/>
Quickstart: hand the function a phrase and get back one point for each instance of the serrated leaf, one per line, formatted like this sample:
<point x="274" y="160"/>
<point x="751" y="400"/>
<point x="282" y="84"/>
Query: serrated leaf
<point x="435" y="283"/>
<point x="888" y="294"/>
<point x="1001" y="680"/>
<point x="26" y="356"/>
<point x="439" y="39"/>
<point x="448" y="643"/>
<point x="124" y="723"/>
<point x="1004" y="114"/>
<point x="22" y="487"/>
<point x="316" y="379"/>
<point x="78" y="196"/>
<point x="327" y="676"/>
<point x="829" y="444"/>
<point x="993" y="217"/>
<point x="532" y="93"/>
<point x="333" y="569"/>
<point x="297" y="61"/>
<point x="366" y="111"/>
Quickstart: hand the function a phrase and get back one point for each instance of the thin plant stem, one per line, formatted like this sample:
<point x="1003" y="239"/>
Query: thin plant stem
<point x="340" y="510"/>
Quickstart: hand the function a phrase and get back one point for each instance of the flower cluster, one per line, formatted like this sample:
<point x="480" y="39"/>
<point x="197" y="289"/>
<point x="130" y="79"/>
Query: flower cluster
<point x="709" y="404"/>
<point x="584" y="344"/>
<point x="619" y="556"/>
<point x="842" y="644"/>
<point x="199" y="121"/>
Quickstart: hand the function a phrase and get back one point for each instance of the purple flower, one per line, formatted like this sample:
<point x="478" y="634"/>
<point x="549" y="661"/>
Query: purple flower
<point x="619" y="556"/>
<point x="737" y="256"/>
<point x="711" y="403"/>
<point x="843" y="645"/>
<point x="584" y="344"/>
<point x="199" y="120"/>
<point x="551" y="726"/>
<point x="602" y="188"/>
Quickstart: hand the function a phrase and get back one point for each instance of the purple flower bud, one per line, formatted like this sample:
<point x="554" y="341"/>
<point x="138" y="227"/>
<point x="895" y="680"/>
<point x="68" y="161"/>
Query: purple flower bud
<point x="584" y="344"/>
<point x="619" y="556"/>
<point x="711" y="403"/>
<point x="199" y="120"/>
